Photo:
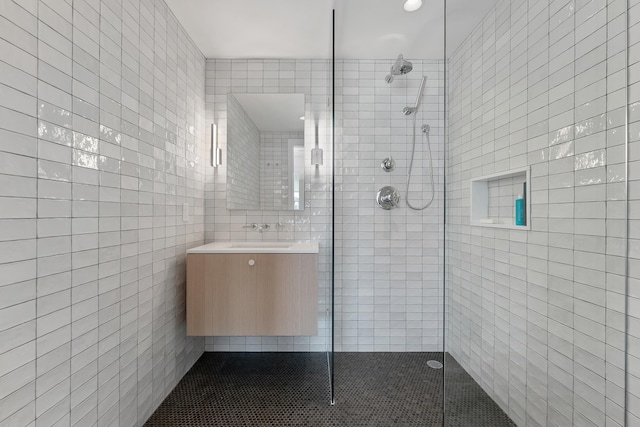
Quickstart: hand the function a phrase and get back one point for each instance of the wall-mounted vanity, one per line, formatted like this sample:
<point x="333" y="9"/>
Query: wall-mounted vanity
<point x="252" y="289"/>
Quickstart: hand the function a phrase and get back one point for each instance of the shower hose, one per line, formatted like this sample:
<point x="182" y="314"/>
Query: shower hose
<point x="426" y="131"/>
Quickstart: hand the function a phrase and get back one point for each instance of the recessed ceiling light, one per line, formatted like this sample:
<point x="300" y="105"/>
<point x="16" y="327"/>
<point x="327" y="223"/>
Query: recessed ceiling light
<point x="412" y="5"/>
<point x="301" y="117"/>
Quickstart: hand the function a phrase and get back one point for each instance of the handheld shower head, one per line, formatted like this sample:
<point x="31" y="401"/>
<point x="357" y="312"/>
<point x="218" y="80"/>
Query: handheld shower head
<point x="407" y="111"/>
<point x="400" y="67"/>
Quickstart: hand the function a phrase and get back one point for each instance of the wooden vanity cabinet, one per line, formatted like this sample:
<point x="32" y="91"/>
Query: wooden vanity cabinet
<point x="252" y="294"/>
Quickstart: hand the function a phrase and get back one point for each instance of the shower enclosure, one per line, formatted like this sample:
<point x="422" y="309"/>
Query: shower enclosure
<point x="516" y="100"/>
<point x="434" y="125"/>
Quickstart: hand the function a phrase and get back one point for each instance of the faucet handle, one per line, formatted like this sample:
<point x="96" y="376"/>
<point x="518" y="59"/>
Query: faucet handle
<point x="388" y="198"/>
<point x="266" y="226"/>
<point x="253" y="226"/>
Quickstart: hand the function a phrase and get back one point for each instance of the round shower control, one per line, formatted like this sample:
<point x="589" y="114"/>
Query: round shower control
<point x="388" y="198"/>
<point x="388" y="164"/>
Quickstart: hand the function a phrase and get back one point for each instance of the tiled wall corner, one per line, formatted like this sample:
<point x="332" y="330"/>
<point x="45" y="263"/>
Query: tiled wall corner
<point x="101" y="142"/>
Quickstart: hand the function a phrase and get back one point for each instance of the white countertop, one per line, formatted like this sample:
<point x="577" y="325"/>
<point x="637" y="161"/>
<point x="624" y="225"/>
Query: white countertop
<point x="261" y="247"/>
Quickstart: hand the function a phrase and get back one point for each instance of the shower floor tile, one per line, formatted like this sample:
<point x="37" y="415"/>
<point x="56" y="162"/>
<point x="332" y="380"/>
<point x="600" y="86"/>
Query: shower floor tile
<point x="292" y="389"/>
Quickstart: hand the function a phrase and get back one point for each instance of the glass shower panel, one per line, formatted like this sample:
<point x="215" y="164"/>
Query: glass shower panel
<point x="266" y="67"/>
<point x="331" y="131"/>
<point x="389" y="86"/>
<point x="535" y="314"/>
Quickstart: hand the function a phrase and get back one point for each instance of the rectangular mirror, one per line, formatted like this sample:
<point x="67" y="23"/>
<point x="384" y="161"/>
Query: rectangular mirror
<point x="265" y="151"/>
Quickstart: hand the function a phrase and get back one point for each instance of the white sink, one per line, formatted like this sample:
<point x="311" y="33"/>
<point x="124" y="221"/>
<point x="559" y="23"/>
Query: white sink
<point x="256" y="248"/>
<point x="261" y="245"/>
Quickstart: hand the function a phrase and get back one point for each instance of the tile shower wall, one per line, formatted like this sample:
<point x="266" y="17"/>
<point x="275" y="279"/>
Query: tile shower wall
<point x="101" y="128"/>
<point x="538" y="317"/>
<point x="244" y="161"/>
<point x="388" y="264"/>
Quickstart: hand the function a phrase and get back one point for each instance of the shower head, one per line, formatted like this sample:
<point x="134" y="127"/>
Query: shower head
<point x="400" y="67"/>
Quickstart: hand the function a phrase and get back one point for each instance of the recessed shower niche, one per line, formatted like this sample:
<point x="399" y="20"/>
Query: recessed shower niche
<point x="493" y="199"/>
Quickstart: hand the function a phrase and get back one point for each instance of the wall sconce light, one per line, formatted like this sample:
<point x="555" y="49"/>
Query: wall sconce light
<point x="316" y="153"/>
<point x="216" y="152"/>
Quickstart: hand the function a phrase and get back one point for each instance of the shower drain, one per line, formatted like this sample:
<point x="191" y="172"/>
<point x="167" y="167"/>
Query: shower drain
<point x="434" y="364"/>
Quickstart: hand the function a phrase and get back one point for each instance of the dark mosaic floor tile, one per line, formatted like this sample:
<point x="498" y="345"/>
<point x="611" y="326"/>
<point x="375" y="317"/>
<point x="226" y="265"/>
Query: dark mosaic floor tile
<point x="466" y="404"/>
<point x="292" y="389"/>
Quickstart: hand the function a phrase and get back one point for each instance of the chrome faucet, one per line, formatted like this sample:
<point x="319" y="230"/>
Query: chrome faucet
<point x="258" y="227"/>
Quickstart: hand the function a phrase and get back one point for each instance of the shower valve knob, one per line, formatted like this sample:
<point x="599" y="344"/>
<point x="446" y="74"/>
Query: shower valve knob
<point x="388" y="198"/>
<point x="388" y="164"/>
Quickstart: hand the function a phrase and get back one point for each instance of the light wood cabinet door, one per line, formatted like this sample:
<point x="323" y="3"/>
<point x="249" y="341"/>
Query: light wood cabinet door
<point x="252" y="294"/>
<point x="221" y="294"/>
<point x="287" y="292"/>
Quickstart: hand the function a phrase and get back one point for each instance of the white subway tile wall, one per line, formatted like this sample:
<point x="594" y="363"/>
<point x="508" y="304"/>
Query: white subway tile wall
<point x="389" y="264"/>
<point x="538" y="318"/>
<point x="633" y="367"/>
<point x="308" y="77"/>
<point x="243" y="170"/>
<point x="101" y="141"/>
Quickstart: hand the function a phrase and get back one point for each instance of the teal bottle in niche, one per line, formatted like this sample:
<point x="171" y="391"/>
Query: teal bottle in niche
<point x="520" y="218"/>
